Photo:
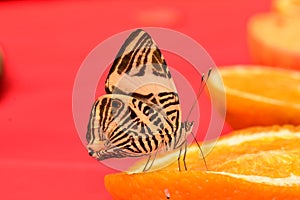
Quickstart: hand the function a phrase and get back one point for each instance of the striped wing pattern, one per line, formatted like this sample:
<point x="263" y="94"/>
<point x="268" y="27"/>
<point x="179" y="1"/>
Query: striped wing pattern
<point x="140" y="112"/>
<point x="138" y="57"/>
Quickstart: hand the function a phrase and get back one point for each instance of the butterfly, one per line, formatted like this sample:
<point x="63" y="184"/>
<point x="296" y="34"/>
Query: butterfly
<point x="140" y="113"/>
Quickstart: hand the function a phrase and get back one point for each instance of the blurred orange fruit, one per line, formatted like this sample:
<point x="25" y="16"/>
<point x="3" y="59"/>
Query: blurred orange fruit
<point x="255" y="163"/>
<point x="260" y="95"/>
<point x="289" y="8"/>
<point x="273" y="40"/>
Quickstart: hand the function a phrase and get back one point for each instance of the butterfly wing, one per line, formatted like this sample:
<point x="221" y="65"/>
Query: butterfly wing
<point x="122" y="126"/>
<point x="140" y="70"/>
<point x="138" y="63"/>
<point x="138" y="80"/>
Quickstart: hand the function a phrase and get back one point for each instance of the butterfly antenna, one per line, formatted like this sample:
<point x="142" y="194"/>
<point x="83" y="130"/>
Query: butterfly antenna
<point x="202" y="86"/>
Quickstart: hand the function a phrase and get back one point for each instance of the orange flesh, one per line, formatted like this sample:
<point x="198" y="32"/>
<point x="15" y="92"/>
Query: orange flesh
<point x="270" y="157"/>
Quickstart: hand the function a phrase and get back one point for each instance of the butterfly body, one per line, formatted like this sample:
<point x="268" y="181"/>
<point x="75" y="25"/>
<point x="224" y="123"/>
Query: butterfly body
<point x="140" y="114"/>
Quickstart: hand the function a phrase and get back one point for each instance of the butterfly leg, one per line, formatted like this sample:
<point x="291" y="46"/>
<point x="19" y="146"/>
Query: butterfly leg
<point x="146" y="168"/>
<point x="184" y="156"/>
<point x="202" y="153"/>
<point x="147" y="163"/>
<point x="178" y="159"/>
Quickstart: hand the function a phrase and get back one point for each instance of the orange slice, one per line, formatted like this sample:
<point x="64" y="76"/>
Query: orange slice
<point x="289" y="8"/>
<point x="257" y="95"/>
<point x="255" y="163"/>
<point x="274" y="40"/>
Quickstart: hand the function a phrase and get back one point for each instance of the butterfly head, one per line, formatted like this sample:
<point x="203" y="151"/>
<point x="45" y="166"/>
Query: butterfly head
<point x="188" y="127"/>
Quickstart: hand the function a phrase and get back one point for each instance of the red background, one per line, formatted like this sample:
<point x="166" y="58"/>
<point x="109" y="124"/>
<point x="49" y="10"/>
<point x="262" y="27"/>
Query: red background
<point x="44" y="43"/>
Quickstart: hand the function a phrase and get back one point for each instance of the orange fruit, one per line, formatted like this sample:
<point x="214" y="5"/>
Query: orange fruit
<point x="255" y="163"/>
<point x="274" y="40"/>
<point x="260" y="95"/>
<point x="289" y="8"/>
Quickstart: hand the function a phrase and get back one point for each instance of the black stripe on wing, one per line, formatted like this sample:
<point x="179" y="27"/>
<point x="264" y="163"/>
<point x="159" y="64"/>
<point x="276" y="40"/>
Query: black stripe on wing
<point x="138" y="53"/>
